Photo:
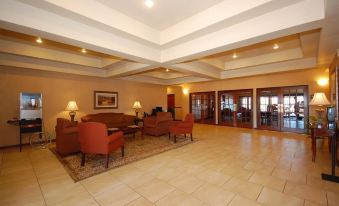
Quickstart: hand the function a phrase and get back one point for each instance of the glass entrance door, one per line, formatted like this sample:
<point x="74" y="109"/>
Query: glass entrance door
<point x="293" y="114"/>
<point x="283" y="108"/>
<point x="268" y="109"/>
<point x="202" y="106"/>
<point x="235" y="108"/>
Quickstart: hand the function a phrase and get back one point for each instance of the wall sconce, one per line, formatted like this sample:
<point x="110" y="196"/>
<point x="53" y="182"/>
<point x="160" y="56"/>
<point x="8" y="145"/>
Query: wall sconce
<point x="185" y="91"/>
<point x="322" y="82"/>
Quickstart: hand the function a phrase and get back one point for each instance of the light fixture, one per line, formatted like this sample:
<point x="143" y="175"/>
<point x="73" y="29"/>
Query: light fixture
<point x="235" y="56"/>
<point x="185" y="91"/>
<point x="83" y="50"/>
<point x="149" y="3"/>
<point x="167" y="70"/>
<point x="72" y="107"/>
<point x="137" y="106"/>
<point x="322" y="82"/>
<point x="320" y="100"/>
<point x="39" y="40"/>
<point x="275" y="46"/>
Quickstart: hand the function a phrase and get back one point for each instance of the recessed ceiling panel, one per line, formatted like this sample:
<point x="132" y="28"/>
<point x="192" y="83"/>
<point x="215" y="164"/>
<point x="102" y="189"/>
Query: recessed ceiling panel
<point x="163" y="14"/>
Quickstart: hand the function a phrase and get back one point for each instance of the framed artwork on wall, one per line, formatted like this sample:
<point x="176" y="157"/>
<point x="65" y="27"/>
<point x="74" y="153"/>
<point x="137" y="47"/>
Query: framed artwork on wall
<point x="105" y="100"/>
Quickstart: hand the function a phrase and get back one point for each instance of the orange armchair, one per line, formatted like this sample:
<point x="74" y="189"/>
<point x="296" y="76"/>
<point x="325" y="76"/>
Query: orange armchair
<point x="184" y="127"/>
<point x="94" y="140"/>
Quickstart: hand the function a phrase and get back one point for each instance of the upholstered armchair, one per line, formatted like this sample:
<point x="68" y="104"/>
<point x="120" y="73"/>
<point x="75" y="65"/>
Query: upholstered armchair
<point x="67" y="141"/>
<point x="94" y="140"/>
<point x="184" y="127"/>
<point x="159" y="124"/>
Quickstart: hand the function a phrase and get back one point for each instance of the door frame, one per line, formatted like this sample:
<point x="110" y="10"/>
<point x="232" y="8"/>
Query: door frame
<point x="234" y="93"/>
<point x="280" y="114"/>
<point x="215" y="110"/>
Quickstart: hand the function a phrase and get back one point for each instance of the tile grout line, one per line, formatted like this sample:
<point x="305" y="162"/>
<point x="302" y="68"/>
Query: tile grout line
<point x="89" y="193"/>
<point x="43" y="196"/>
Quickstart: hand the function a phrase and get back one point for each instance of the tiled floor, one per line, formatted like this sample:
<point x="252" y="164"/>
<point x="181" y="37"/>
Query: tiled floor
<point x="227" y="166"/>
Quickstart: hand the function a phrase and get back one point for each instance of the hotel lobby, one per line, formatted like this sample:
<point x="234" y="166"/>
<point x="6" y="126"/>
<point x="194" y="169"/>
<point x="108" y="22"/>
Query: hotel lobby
<point x="168" y="102"/>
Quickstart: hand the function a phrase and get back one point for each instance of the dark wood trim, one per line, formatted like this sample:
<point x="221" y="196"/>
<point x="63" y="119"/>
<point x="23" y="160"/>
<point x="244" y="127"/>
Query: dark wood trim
<point x="107" y="92"/>
<point x="236" y="92"/>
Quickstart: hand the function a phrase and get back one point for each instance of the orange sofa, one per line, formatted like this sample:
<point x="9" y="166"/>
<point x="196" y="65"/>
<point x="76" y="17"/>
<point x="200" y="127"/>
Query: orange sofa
<point x="159" y="124"/>
<point x="110" y="119"/>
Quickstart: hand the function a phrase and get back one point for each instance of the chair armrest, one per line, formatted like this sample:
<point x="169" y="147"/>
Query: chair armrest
<point x="70" y="130"/>
<point x="150" y="122"/>
<point x="113" y="137"/>
<point x="184" y="124"/>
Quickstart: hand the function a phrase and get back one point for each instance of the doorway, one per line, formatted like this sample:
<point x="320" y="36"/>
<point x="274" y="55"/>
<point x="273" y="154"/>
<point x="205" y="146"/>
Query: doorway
<point x="171" y="104"/>
<point x="202" y="106"/>
<point x="235" y="108"/>
<point x="283" y="108"/>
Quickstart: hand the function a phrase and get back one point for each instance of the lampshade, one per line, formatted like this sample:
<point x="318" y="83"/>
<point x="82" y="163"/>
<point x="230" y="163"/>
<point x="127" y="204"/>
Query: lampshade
<point x="319" y="99"/>
<point x="137" y="105"/>
<point x="72" y="106"/>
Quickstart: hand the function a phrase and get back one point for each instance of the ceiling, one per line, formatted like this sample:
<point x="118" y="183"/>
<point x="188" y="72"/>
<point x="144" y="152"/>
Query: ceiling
<point x="164" y="13"/>
<point x="194" y="39"/>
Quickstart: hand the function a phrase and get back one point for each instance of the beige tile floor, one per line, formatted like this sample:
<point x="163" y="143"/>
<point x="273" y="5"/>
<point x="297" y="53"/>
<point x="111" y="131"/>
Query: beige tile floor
<point x="226" y="166"/>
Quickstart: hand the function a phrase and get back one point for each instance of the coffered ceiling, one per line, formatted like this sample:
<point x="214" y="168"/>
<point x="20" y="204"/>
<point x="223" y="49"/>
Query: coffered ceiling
<point x="172" y="43"/>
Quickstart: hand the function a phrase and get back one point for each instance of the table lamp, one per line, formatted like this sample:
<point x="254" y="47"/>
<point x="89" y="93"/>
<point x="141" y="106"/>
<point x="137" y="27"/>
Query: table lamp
<point x="137" y="106"/>
<point x="72" y="107"/>
<point x="320" y="100"/>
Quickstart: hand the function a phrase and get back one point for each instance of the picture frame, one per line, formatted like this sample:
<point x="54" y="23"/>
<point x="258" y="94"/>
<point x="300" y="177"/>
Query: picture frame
<point x="105" y="100"/>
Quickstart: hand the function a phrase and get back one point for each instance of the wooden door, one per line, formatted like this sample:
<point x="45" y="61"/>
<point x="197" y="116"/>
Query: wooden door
<point x="268" y="103"/>
<point x="202" y="106"/>
<point x="235" y="108"/>
<point x="171" y="104"/>
<point x="294" y="109"/>
<point x="283" y="108"/>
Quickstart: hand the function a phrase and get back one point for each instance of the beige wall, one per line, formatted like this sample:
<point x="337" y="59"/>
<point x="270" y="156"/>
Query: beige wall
<point x="301" y="77"/>
<point x="57" y="89"/>
<point x="177" y="91"/>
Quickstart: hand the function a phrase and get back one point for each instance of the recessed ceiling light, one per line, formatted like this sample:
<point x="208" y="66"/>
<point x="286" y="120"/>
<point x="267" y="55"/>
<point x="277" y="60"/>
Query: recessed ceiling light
<point x="83" y="50"/>
<point x="167" y="70"/>
<point x="275" y="46"/>
<point x="149" y="3"/>
<point x="39" y="40"/>
<point x="235" y="56"/>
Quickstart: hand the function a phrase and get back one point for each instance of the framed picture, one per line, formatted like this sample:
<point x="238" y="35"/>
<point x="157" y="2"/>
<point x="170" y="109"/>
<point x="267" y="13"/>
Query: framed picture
<point x="105" y="100"/>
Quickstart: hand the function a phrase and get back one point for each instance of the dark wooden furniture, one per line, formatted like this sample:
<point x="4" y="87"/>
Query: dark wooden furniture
<point x="235" y="108"/>
<point x="29" y="126"/>
<point x="333" y="141"/>
<point x="202" y="106"/>
<point x="320" y="132"/>
<point x="283" y="108"/>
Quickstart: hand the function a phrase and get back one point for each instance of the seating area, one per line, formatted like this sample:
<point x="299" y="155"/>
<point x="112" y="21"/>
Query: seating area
<point x="169" y="103"/>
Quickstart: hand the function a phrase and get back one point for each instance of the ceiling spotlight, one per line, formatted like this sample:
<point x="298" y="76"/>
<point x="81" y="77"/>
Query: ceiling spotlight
<point x="149" y="3"/>
<point x="275" y="46"/>
<point x="167" y="70"/>
<point x="235" y="56"/>
<point x="39" y="40"/>
<point x="83" y="50"/>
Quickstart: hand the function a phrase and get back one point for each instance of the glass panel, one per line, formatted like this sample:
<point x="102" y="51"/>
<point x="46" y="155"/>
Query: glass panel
<point x="226" y="108"/>
<point x="268" y="103"/>
<point x="293" y="109"/>
<point x="244" y="112"/>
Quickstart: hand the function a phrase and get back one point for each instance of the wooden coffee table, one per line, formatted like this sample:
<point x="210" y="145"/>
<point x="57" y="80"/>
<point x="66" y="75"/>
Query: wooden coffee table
<point x="132" y="129"/>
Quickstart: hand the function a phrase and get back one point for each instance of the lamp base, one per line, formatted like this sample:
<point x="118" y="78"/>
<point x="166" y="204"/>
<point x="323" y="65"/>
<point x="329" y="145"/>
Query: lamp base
<point x="72" y="115"/>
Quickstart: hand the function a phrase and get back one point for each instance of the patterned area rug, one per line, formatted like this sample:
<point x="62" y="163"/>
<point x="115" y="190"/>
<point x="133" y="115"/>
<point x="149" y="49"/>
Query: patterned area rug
<point x="135" y="149"/>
